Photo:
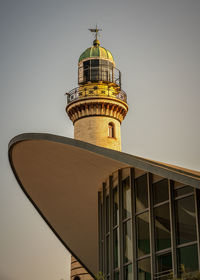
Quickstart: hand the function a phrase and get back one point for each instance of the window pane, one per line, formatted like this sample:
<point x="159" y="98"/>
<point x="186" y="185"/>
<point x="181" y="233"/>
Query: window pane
<point x="110" y="134"/>
<point x="116" y="275"/>
<point x="116" y="248"/>
<point x="94" y="74"/>
<point x="102" y="243"/>
<point x="185" y="220"/>
<point x="128" y="272"/>
<point x="110" y="75"/>
<point x="86" y="64"/>
<point x="143" y="243"/>
<point x="111" y="130"/>
<point x="127" y="242"/>
<point x="104" y="75"/>
<point x="126" y="198"/>
<point x="86" y="75"/>
<point x="164" y="266"/>
<point x="144" y="269"/>
<point x="110" y="65"/>
<point x="183" y="190"/>
<point x="162" y="227"/>
<point x="187" y="259"/>
<point x="94" y="62"/>
<point x="107" y="254"/>
<point x="160" y="191"/>
<point x="107" y="213"/>
<point x="116" y="207"/>
<point x="104" y="62"/>
<point x="141" y="193"/>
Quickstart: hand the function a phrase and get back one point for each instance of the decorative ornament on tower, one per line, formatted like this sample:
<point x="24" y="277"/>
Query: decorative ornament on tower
<point x="98" y="105"/>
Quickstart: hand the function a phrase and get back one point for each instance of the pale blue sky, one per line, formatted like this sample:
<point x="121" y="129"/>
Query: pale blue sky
<point x="156" y="45"/>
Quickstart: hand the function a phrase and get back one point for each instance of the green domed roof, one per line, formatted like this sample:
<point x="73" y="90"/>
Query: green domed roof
<point x="96" y="51"/>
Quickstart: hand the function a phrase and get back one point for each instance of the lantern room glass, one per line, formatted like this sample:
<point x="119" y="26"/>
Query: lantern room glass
<point x="95" y="70"/>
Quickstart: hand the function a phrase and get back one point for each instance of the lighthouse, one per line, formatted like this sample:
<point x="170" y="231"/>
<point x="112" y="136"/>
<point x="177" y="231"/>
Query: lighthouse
<point x="97" y="108"/>
<point x="98" y="105"/>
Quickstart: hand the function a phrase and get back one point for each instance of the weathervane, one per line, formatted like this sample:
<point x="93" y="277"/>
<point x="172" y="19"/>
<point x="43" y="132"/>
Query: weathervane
<point x="96" y="30"/>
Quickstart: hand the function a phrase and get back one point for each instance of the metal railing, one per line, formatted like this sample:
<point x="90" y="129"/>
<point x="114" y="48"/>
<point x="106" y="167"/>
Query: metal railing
<point x="99" y="73"/>
<point x="78" y="93"/>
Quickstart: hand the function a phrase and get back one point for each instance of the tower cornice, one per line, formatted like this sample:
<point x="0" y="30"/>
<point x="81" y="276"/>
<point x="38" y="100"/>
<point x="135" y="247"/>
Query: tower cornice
<point x="97" y="106"/>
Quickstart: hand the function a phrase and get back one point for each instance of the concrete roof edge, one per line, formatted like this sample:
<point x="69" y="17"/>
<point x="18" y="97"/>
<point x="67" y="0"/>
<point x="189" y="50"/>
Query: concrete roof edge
<point x="162" y="169"/>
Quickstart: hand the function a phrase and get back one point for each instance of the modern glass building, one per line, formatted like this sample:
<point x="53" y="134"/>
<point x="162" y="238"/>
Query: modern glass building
<point x="148" y="226"/>
<point x="126" y="216"/>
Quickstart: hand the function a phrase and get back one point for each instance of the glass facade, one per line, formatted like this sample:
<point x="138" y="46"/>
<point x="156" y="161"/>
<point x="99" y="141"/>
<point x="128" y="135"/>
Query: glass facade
<point x="144" y="269"/>
<point x="141" y="193"/>
<point x="163" y="266"/>
<point x="162" y="227"/>
<point x="185" y="220"/>
<point x="153" y="227"/>
<point x="188" y="259"/>
<point x="127" y="242"/>
<point x="143" y="238"/>
<point x="116" y="257"/>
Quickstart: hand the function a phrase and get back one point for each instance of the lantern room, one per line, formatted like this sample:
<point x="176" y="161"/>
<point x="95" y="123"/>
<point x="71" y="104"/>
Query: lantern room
<point x="96" y="64"/>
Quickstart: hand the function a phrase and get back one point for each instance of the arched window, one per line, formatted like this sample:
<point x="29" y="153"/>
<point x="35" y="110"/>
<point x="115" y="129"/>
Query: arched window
<point x="111" y="130"/>
<point x="77" y="278"/>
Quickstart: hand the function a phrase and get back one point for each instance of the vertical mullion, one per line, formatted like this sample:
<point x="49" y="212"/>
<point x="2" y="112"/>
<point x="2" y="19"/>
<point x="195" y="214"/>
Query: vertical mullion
<point x="104" y="228"/>
<point x="173" y="228"/>
<point x="100" y="231"/>
<point x="134" y="243"/>
<point x="111" y="224"/>
<point x="151" y="223"/>
<point x="90" y="71"/>
<point x="197" y="222"/>
<point x="120" y="224"/>
<point x="99" y="72"/>
<point x="112" y="74"/>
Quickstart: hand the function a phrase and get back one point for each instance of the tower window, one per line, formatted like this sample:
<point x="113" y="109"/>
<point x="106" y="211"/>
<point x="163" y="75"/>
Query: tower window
<point x="77" y="278"/>
<point x="111" y="130"/>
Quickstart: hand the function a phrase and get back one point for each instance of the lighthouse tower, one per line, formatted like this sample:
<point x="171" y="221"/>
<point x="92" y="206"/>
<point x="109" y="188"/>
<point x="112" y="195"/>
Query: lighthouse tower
<point x="98" y="105"/>
<point x="97" y="108"/>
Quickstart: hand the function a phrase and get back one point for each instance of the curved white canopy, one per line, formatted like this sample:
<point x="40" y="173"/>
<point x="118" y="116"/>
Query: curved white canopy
<point x="61" y="177"/>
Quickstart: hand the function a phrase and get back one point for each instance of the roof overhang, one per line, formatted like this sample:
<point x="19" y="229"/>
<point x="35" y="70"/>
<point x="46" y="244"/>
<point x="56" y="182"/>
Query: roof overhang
<point x="61" y="177"/>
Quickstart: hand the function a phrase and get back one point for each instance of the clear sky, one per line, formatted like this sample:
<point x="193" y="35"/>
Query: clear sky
<point x="156" y="45"/>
